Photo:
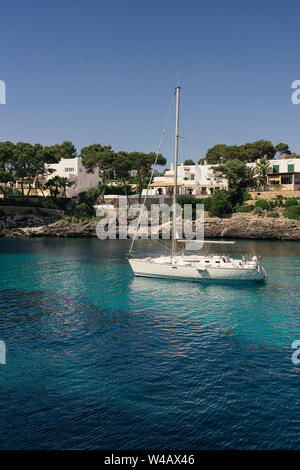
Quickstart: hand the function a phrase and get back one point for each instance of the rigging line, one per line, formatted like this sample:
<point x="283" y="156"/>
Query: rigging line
<point x="152" y="172"/>
<point x="164" y="245"/>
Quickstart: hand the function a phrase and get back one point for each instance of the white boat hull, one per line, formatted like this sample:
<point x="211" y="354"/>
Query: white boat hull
<point x="147" y="268"/>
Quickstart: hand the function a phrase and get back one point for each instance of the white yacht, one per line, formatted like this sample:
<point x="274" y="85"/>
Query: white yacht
<point x="199" y="268"/>
<point x="195" y="267"/>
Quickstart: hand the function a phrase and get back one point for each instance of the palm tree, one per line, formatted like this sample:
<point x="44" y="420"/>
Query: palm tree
<point x="262" y="169"/>
<point x="251" y="177"/>
<point x="56" y="183"/>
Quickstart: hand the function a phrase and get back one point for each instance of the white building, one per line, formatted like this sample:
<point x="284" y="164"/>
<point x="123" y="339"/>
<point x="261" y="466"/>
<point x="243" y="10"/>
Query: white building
<point x="201" y="179"/>
<point x="284" y="173"/>
<point x="191" y="180"/>
<point x="73" y="169"/>
<point x="282" y="165"/>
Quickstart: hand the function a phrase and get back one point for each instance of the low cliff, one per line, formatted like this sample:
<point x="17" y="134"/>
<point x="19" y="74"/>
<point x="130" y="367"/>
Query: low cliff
<point x="12" y="217"/>
<point x="250" y="226"/>
<point x="236" y="226"/>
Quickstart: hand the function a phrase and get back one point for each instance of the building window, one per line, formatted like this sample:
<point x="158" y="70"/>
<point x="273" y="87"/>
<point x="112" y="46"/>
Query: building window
<point x="275" y="168"/>
<point x="291" y="168"/>
<point x="192" y="177"/>
<point x="69" y="170"/>
<point x="286" y="180"/>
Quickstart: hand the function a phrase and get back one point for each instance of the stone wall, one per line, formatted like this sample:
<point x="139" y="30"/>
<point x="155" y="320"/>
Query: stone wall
<point x="272" y="194"/>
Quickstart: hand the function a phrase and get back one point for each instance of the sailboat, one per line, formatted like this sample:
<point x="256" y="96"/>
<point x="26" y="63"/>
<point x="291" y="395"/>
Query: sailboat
<point x="195" y="267"/>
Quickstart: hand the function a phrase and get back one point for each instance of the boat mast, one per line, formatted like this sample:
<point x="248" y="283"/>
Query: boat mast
<point x="177" y="91"/>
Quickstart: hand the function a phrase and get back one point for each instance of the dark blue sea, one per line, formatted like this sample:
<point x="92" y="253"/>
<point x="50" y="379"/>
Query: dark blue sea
<point x="98" y="359"/>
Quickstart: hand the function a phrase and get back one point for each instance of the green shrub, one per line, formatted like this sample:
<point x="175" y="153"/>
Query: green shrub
<point x="220" y="204"/>
<point x="262" y="204"/>
<point x="70" y="208"/>
<point x="16" y="192"/>
<point x="244" y="208"/>
<point x="293" y="212"/>
<point x="91" y="195"/>
<point x="60" y="202"/>
<point x="83" y="210"/>
<point x="36" y="201"/>
<point x="274" y="215"/>
<point x="182" y="200"/>
<point x="187" y="200"/>
<point x="274" y="203"/>
<point x="206" y="201"/>
<point x="279" y="200"/>
<point x="247" y="196"/>
<point x="119" y="190"/>
<point x="290" y="202"/>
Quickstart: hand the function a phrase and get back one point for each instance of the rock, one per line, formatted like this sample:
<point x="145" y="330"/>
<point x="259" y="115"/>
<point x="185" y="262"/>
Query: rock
<point x="237" y="226"/>
<point x="249" y="226"/>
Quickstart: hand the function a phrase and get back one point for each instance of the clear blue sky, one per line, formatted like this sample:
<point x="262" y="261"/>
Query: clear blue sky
<point x="103" y="71"/>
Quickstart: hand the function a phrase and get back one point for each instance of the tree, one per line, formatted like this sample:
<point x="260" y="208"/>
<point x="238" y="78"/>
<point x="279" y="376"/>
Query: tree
<point x="84" y="210"/>
<point x="283" y="149"/>
<point x="217" y="154"/>
<point x="220" y="203"/>
<point x="101" y="157"/>
<point x="64" y="150"/>
<point x="121" y="165"/>
<point x="251" y="177"/>
<point x="248" y="152"/>
<point x="262" y="168"/>
<point x="6" y="165"/>
<point x="142" y="163"/>
<point x="239" y="179"/>
<point x="189" y="162"/>
<point x="56" y="183"/>
<point x="263" y="149"/>
<point x="27" y="163"/>
<point x="49" y="155"/>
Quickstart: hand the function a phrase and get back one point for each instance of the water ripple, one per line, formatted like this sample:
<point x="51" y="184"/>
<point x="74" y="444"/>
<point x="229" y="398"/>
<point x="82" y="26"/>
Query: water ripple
<point x="98" y="359"/>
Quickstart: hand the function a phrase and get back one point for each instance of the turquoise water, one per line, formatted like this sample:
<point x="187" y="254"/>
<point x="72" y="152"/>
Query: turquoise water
<point x="99" y="359"/>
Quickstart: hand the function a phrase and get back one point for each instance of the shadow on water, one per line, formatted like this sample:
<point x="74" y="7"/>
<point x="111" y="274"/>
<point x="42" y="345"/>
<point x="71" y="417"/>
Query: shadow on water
<point x="176" y="286"/>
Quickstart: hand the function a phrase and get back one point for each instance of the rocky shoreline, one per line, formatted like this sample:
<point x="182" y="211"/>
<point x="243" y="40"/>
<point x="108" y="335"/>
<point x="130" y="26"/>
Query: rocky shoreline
<point x="243" y="226"/>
